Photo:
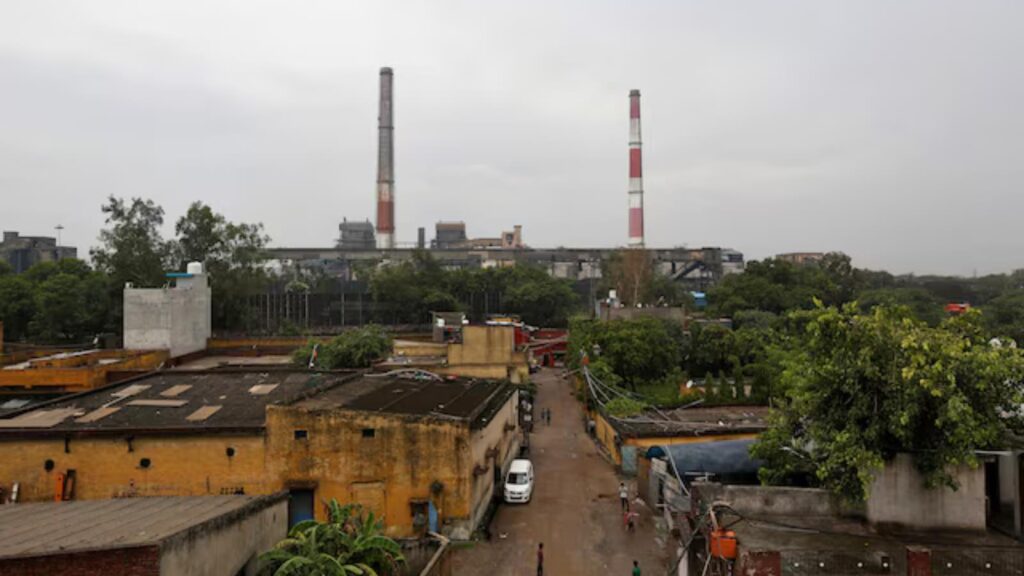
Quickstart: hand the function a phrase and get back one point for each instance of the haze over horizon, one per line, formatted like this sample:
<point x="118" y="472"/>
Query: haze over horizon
<point x="889" y="130"/>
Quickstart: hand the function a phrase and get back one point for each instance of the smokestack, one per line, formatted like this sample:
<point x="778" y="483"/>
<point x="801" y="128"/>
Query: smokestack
<point x="636" y="180"/>
<point x="386" y="164"/>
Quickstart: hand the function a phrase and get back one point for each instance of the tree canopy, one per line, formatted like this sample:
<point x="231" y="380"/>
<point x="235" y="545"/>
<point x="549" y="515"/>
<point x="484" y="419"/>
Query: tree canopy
<point x="233" y="254"/>
<point x="408" y="292"/>
<point x="356" y="348"/>
<point x="858" y="388"/>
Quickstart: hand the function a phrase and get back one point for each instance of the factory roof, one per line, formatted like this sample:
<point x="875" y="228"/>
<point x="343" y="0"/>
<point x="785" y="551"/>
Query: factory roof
<point x="235" y="400"/>
<point x="48" y="528"/>
<point x="458" y="399"/>
<point x="172" y="401"/>
<point x="698" y="421"/>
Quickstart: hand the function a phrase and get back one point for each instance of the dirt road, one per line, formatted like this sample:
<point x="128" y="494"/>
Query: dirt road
<point x="575" y="510"/>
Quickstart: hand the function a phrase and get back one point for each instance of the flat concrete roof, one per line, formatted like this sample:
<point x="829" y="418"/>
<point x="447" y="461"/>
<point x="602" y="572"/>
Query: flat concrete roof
<point x="459" y="398"/>
<point x="696" y="421"/>
<point x="49" y="528"/>
<point x="230" y="361"/>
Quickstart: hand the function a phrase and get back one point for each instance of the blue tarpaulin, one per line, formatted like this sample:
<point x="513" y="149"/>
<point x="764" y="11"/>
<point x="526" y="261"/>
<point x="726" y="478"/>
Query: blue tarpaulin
<point x="725" y="458"/>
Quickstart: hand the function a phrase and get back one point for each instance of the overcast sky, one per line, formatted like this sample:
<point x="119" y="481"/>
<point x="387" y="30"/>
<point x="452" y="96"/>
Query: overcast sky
<point x="890" y="130"/>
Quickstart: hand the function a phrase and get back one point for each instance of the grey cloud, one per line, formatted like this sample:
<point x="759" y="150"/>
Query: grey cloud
<point x="889" y="130"/>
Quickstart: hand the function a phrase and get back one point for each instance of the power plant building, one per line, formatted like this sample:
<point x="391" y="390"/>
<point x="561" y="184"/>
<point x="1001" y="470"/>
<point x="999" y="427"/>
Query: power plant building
<point x="22" y="252"/>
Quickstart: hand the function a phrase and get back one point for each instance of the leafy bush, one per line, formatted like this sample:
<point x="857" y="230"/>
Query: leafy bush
<point x="350" y="542"/>
<point x="357" y="348"/>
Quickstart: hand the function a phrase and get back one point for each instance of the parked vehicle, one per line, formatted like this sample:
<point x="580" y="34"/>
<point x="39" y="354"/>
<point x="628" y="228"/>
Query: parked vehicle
<point x="519" y="482"/>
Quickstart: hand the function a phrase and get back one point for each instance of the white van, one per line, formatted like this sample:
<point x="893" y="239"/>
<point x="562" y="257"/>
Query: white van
<point x="519" y="482"/>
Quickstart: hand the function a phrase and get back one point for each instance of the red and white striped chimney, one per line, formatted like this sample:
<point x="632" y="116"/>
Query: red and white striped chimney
<point x="636" y="180"/>
<point x="386" y="164"/>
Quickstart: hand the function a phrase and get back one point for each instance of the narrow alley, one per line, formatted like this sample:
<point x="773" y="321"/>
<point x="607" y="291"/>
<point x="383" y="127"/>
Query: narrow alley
<point x="575" y="510"/>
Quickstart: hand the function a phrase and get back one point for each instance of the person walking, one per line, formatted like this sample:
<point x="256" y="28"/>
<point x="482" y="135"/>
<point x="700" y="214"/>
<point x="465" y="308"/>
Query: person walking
<point x="636" y="568"/>
<point x="548" y="416"/>
<point x="624" y="496"/>
<point x="540" y="559"/>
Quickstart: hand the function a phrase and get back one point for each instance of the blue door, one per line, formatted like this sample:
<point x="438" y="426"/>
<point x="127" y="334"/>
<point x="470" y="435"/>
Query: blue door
<point x="300" y="506"/>
<point x="432" y="516"/>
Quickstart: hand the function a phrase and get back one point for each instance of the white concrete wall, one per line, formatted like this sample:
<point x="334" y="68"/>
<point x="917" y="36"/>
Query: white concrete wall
<point x="228" y="548"/>
<point x="899" y="497"/>
<point x="177" y="319"/>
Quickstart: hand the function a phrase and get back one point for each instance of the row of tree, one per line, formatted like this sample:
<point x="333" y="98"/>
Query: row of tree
<point x="407" y="292"/>
<point x="777" y="287"/>
<point x="71" y="301"/>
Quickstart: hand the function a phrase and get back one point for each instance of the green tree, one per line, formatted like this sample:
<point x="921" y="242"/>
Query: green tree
<point x="922" y="304"/>
<point x="234" y="256"/>
<point x="540" y="299"/>
<point x="132" y="248"/>
<point x="637" y="351"/>
<point x="358" y="348"/>
<point x="712" y="349"/>
<point x="1004" y="315"/>
<point x="17" y="305"/>
<point x="860" y="388"/>
<point x="349" y="543"/>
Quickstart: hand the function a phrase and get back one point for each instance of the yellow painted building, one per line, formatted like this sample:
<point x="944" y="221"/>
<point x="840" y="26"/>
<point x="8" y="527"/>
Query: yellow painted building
<point x="483" y="352"/>
<point x="407" y="450"/>
<point x="627" y="439"/>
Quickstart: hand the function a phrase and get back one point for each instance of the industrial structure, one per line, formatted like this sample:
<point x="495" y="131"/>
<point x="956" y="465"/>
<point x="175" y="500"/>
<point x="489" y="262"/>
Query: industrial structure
<point x="695" y="268"/>
<point x="386" y="163"/>
<point x="636" y="179"/>
<point x="22" y="252"/>
<point x="356" y="235"/>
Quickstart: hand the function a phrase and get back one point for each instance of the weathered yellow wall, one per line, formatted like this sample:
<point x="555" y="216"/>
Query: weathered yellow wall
<point x="384" y="473"/>
<point x="501" y="436"/>
<point x="104" y="468"/>
<point x="488" y="352"/>
<point x="606" y="435"/>
<point x="483" y="345"/>
<point x="414" y="348"/>
<point x="672" y="440"/>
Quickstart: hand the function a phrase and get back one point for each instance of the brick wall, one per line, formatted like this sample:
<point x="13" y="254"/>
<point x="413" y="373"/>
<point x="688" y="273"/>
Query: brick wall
<point x="144" y="561"/>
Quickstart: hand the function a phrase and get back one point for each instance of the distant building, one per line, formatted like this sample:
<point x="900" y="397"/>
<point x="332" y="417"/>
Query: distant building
<point x="356" y="235"/>
<point x="448" y="235"/>
<point x="22" y="252"/>
<point x="801" y="258"/>
<point x="157" y="536"/>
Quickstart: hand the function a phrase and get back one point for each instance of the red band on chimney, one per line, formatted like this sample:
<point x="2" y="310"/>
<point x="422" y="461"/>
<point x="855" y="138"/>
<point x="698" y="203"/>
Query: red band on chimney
<point x="385" y="216"/>
<point x="635" y="168"/>
<point x="636" y="223"/>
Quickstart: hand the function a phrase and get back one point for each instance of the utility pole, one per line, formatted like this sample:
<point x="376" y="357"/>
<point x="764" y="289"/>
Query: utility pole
<point x="58" y="228"/>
